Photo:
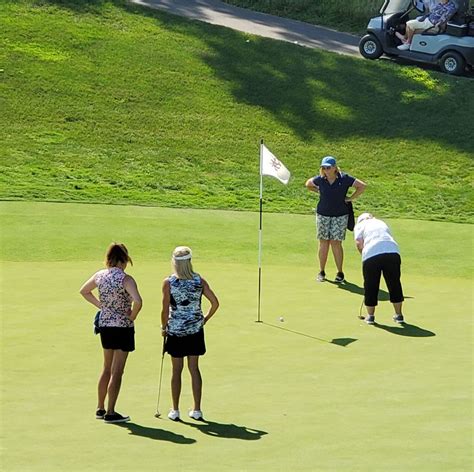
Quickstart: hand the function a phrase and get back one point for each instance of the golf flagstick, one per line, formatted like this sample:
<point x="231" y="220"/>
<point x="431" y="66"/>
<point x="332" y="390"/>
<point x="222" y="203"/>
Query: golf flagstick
<point x="272" y="166"/>
<point x="260" y="237"/>
<point x="158" y="414"/>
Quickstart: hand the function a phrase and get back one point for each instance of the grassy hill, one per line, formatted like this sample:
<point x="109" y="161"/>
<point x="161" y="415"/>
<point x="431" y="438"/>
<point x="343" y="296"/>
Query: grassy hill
<point x="111" y="103"/>
<point x="348" y="15"/>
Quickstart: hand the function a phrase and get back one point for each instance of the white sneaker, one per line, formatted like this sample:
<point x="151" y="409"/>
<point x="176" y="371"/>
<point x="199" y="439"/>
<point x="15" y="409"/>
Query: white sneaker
<point x="173" y="415"/>
<point x="195" y="414"/>
<point x="404" y="47"/>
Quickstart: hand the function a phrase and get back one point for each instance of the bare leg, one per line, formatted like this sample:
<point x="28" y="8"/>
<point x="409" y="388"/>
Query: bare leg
<point x="196" y="380"/>
<point x="323" y="253"/>
<point x="338" y="253"/>
<point x="118" y="366"/>
<point x="370" y="310"/>
<point x="398" y="308"/>
<point x="177" y="363"/>
<point x="104" y="378"/>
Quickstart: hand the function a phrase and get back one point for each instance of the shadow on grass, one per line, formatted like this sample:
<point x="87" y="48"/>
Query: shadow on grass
<point x="353" y="288"/>
<point x="407" y="330"/>
<point x="383" y="296"/>
<point x="224" y="430"/>
<point x="155" y="433"/>
<point x="343" y="342"/>
<point x="314" y="93"/>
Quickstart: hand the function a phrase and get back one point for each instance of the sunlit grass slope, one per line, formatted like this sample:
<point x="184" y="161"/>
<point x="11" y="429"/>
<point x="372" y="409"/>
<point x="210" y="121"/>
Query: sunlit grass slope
<point x="111" y="103"/>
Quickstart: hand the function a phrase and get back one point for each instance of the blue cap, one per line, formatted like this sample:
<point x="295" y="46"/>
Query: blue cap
<point x="328" y="161"/>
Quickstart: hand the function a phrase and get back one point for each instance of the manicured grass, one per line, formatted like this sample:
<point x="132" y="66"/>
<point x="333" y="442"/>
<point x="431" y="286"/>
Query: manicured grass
<point x="348" y="15"/>
<point x="320" y="391"/>
<point x="111" y="103"/>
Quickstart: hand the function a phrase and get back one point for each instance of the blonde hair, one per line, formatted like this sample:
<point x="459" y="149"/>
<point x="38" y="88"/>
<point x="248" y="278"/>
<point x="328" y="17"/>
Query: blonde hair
<point x="183" y="268"/>
<point x="322" y="174"/>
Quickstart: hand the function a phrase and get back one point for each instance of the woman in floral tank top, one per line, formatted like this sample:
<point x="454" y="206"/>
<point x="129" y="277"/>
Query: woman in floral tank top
<point x="182" y="322"/>
<point x="119" y="303"/>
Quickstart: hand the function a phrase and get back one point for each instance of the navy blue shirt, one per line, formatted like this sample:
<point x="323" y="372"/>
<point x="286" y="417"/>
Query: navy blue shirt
<point x="332" y="196"/>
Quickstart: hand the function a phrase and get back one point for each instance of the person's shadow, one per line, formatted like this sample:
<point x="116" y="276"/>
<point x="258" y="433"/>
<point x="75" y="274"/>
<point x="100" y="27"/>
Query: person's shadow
<point x="155" y="433"/>
<point x="229" y="431"/>
<point x="353" y="288"/>
<point x="406" y="329"/>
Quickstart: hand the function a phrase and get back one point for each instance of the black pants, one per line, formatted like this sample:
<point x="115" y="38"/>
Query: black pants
<point x="389" y="266"/>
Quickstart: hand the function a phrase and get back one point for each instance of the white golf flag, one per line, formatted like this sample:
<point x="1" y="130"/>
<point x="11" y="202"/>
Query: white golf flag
<point x="273" y="167"/>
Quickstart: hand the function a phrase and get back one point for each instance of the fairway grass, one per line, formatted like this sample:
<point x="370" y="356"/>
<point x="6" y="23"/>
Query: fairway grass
<point x="320" y="391"/>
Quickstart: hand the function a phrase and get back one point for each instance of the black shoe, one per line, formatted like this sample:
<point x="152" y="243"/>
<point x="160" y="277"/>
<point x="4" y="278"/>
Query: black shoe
<point x="339" y="277"/>
<point x="321" y="277"/>
<point x="370" y="319"/>
<point x="99" y="414"/>
<point x="116" y="418"/>
<point x="398" y="319"/>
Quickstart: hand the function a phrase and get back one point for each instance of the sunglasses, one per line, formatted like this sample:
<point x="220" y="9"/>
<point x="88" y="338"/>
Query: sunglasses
<point x="326" y="167"/>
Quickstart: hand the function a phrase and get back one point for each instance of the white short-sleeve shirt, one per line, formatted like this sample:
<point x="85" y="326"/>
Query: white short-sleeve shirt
<point x="377" y="238"/>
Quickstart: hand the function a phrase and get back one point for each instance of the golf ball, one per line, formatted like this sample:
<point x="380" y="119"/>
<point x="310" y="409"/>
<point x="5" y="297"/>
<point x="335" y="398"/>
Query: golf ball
<point x="281" y="319"/>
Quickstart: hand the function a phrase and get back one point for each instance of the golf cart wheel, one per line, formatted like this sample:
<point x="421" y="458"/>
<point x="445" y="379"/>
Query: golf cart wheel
<point x="452" y="63"/>
<point x="370" y="47"/>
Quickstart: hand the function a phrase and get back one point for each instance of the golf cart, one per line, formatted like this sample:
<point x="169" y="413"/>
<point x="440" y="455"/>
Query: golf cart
<point x="451" y="46"/>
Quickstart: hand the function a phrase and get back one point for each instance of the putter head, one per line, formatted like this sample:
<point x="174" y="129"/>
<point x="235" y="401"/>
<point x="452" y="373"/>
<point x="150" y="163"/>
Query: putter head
<point x="157" y="414"/>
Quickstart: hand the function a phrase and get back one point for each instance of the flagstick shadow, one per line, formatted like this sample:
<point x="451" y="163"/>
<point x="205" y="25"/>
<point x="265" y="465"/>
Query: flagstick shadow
<point x="343" y="342"/>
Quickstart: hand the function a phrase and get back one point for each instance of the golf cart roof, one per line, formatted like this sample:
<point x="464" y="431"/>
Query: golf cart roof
<point x="394" y="6"/>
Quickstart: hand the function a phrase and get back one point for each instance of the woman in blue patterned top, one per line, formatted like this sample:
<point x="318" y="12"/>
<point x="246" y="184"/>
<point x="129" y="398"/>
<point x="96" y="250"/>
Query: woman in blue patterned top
<point x="182" y="322"/>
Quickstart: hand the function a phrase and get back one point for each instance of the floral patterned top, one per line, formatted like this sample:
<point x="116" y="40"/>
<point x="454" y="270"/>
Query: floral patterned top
<point x="115" y="301"/>
<point x="185" y="306"/>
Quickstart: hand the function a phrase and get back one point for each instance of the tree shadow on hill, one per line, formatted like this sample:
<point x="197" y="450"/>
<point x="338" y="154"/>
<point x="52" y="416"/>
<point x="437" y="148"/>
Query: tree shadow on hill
<point x="228" y="431"/>
<point x="406" y="329"/>
<point x="306" y="91"/>
<point x="155" y="433"/>
<point x="314" y="93"/>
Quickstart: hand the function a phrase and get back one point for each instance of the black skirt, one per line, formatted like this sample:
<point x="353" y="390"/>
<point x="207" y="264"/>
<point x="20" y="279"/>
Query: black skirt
<point x="183" y="346"/>
<point x="118" y="338"/>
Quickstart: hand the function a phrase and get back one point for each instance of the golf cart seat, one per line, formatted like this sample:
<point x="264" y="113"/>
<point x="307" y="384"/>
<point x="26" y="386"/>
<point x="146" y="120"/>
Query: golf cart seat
<point x="461" y="13"/>
<point x="458" y="25"/>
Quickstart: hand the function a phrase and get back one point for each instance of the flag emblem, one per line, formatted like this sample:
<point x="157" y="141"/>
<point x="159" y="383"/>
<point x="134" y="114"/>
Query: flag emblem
<point x="273" y="167"/>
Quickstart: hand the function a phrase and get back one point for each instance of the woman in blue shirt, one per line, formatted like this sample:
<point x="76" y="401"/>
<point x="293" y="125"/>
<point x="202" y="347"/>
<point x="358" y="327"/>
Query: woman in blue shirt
<point x="332" y="212"/>
<point x="182" y="322"/>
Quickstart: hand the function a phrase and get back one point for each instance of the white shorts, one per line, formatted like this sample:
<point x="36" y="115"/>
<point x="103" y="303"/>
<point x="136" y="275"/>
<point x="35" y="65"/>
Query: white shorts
<point x="414" y="25"/>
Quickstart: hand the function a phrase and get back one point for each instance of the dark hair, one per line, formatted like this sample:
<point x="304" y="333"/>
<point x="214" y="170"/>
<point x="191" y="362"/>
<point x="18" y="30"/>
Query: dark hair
<point x="116" y="254"/>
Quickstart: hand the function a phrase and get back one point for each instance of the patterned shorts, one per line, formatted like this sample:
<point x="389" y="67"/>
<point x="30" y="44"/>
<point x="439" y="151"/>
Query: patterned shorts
<point x="332" y="227"/>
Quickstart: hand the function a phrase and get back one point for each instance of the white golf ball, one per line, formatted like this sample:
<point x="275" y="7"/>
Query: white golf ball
<point x="281" y="319"/>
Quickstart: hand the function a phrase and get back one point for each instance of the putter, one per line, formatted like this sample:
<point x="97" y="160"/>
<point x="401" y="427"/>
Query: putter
<point x="158" y="414"/>
<point x="360" y="311"/>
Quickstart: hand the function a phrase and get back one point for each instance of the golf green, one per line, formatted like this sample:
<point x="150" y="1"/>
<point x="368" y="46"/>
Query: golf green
<point x="318" y="391"/>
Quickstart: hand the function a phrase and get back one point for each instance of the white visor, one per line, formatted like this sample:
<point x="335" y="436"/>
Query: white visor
<point x="184" y="257"/>
<point x="364" y="216"/>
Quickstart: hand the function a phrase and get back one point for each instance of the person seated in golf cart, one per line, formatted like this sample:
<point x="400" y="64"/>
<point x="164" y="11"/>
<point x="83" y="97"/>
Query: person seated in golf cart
<point x="427" y="5"/>
<point x="435" y="19"/>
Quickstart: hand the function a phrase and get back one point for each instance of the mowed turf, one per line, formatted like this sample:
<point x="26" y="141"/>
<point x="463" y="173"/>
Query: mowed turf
<point x="319" y="391"/>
